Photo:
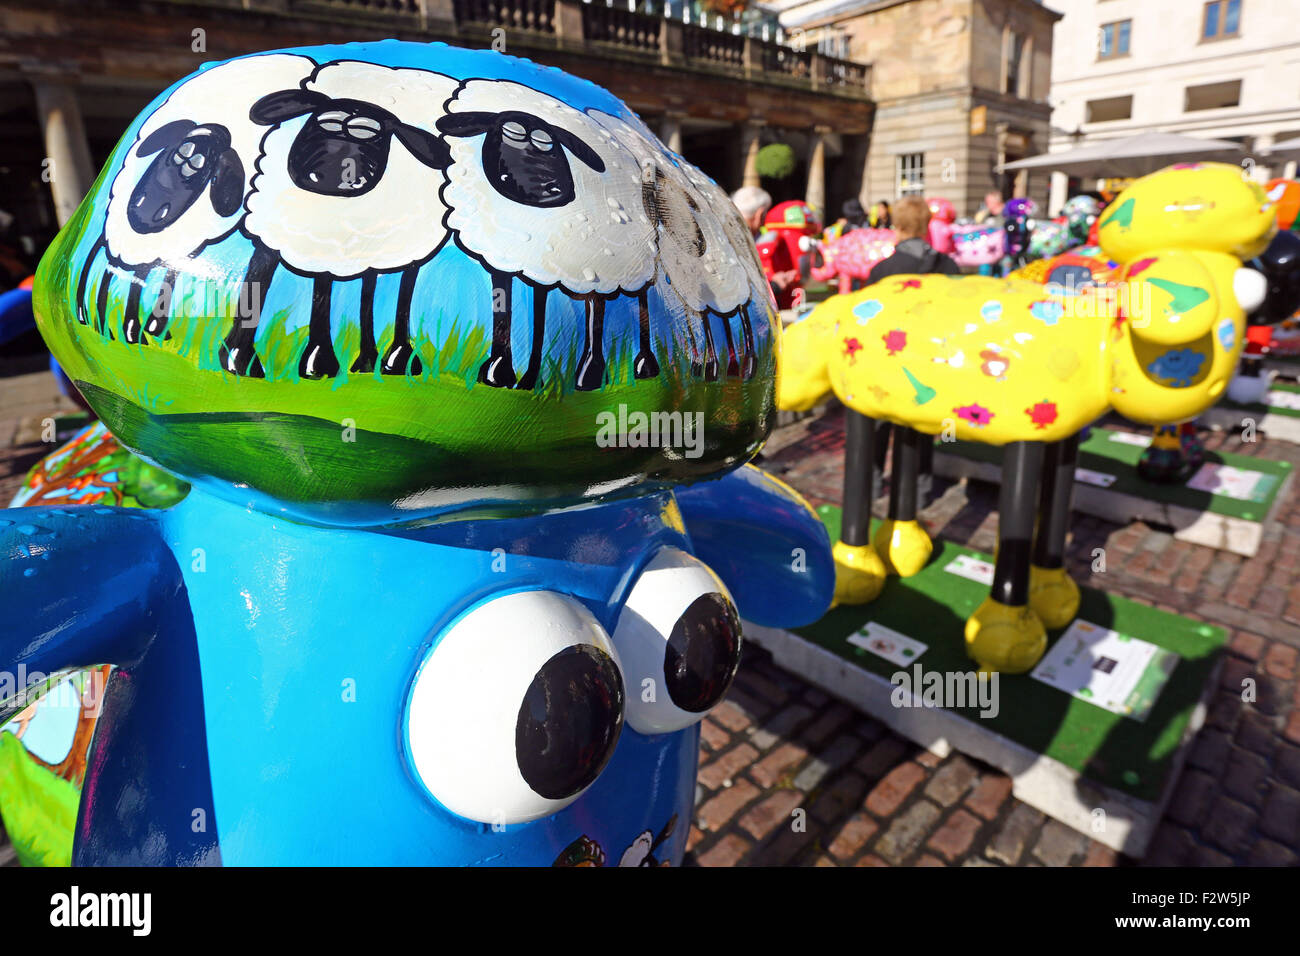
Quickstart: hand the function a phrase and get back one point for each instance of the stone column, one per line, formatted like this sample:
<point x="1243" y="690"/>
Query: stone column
<point x="815" y="194"/>
<point x="67" y="151"/>
<point x="749" y="146"/>
<point x="670" y="131"/>
<point x="1060" y="188"/>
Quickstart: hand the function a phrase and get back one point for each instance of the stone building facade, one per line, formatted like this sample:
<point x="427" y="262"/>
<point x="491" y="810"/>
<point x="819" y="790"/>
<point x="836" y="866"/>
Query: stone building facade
<point x="960" y="86"/>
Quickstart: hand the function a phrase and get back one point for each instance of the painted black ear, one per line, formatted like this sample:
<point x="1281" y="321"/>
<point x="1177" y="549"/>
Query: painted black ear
<point x="169" y="134"/>
<point x="277" y="107"/>
<point x="467" y="124"/>
<point x="577" y="147"/>
<point x="423" y="145"/>
<point x="227" y="190"/>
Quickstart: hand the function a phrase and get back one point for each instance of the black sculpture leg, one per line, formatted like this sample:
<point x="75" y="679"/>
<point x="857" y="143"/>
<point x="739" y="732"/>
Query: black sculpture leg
<point x="1052" y="592"/>
<point x="591" y="367"/>
<point x="318" y="358"/>
<point x="859" y="478"/>
<point x="400" y="355"/>
<point x="368" y="353"/>
<point x="131" y="327"/>
<point x="238" y="353"/>
<point x="748" y="362"/>
<point x="498" y="369"/>
<point x="534" y="370"/>
<point x="156" y="325"/>
<point x="902" y="477"/>
<point x="733" y="363"/>
<point x="880" y="451"/>
<point x="101" y="303"/>
<point x="925" y="473"/>
<point x="1059" y="462"/>
<point x="1021" y="469"/>
<point x="83" y="315"/>
<point x="710" y="353"/>
<point x="647" y="366"/>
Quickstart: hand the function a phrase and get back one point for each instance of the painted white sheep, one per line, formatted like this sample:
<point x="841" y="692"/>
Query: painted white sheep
<point x="182" y="182"/>
<point x="347" y="186"/>
<point x="693" y="248"/>
<point x="533" y="184"/>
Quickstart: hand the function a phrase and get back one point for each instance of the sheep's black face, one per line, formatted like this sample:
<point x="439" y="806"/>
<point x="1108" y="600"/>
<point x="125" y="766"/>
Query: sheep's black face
<point x="523" y="156"/>
<point x="342" y="150"/>
<point x="672" y="209"/>
<point x="189" y="159"/>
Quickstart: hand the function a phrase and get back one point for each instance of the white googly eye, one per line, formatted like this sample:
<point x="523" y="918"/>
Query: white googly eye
<point x="1249" y="287"/>
<point x="333" y="116"/>
<point x="678" y="640"/>
<point x="515" y="131"/>
<point x="541" y="139"/>
<point x="186" y="149"/>
<point x="363" y="127"/>
<point x="197" y="161"/>
<point x="517" y="709"/>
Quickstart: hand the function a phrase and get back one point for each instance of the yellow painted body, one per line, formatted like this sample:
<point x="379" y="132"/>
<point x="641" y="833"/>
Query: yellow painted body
<point x="1004" y="360"/>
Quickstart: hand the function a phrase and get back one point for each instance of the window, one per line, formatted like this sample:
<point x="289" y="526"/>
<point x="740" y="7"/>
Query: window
<point x="1110" y="109"/>
<point x="1113" y="41"/>
<point x="1222" y="20"/>
<point x="1212" y="96"/>
<point x="1015" y="53"/>
<point x="911" y="174"/>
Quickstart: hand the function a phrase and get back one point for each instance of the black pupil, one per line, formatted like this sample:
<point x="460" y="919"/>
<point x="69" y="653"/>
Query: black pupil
<point x="569" y="721"/>
<point x="703" y="653"/>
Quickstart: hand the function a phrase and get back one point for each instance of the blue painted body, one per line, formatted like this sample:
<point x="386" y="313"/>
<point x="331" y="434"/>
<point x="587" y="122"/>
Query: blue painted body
<point x="263" y="667"/>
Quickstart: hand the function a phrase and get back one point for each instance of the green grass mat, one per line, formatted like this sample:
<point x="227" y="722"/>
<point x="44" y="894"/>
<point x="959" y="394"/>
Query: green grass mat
<point x="1102" y="453"/>
<point x="1261" y="408"/>
<point x="932" y="607"/>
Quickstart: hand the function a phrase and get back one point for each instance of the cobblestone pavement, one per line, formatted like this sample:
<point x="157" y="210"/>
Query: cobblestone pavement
<point x="870" y="798"/>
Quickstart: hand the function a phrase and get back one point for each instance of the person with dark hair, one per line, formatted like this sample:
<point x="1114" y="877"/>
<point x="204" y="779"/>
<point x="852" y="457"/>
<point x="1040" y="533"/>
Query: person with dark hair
<point x="880" y="218"/>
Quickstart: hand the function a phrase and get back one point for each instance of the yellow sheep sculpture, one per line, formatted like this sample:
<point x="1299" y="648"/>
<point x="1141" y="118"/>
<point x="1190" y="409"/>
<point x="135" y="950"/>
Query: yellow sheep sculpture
<point x="1010" y="362"/>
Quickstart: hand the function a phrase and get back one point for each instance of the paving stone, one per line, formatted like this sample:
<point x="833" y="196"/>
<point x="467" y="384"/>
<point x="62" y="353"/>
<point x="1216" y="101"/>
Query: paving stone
<point x="1287" y="762"/>
<point x="889" y="794"/>
<point x="955" y="836"/>
<point x="907" y="831"/>
<point x="1192" y="798"/>
<point x="768" y="771"/>
<point x="989" y="795"/>
<point x="726" y="852"/>
<point x="1209" y="856"/>
<point x="1257" y="732"/>
<point x="1210" y="753"/>
<point x="871" y="860"/>
<point x="1228" y="825"/>
<point x="853" y="836"/>
<point x="784" y="721"/>
<point x="724" y="767"/>
<point x="1270" y="853"/>
<point x="1171" y="846"/>
<point x="951" y="781"/>
<point x="775" y="811"/>
<point x="926" y="859"/>
<point x="719" y="809"/>
<point x="731" y="715"/>
<point x="1246" y="777"/>
<point x="1100" y="855"/>
<point x="883" y="755"/>
<point x="828" y="721"/>
<point x="713" y="735"/>
<point x="1058" y="844"/>
<point x="1280" y="818"/>
<point x="1010" y="841"/>
<point x="839" y="797"/>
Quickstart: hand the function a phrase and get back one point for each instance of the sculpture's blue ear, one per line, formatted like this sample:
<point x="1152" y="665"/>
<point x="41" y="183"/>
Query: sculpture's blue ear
<point x="765" y="542"/>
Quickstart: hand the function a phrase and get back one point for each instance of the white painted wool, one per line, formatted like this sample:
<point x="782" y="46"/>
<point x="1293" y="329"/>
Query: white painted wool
<point x="601" y="242"/>
<point x="222" y="94"/>
<point x="716" y="280"/>
<point x="396" y="224"/>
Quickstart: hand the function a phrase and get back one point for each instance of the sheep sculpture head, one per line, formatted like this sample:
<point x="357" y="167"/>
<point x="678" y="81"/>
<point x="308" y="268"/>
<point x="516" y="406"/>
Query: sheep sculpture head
<point x="357" y="240"/>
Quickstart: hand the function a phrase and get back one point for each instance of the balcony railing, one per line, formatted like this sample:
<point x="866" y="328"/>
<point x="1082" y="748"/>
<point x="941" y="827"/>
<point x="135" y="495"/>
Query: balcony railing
<point x="631" y="30"/>
<point x="537" y="16"/>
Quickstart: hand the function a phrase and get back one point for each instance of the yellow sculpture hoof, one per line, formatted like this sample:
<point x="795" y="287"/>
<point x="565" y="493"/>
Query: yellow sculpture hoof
<point x="859" y="573"/>
<point x="1053" y="595"/>
<point x="903" y="546"/>
<point x="1007" y="639"/>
